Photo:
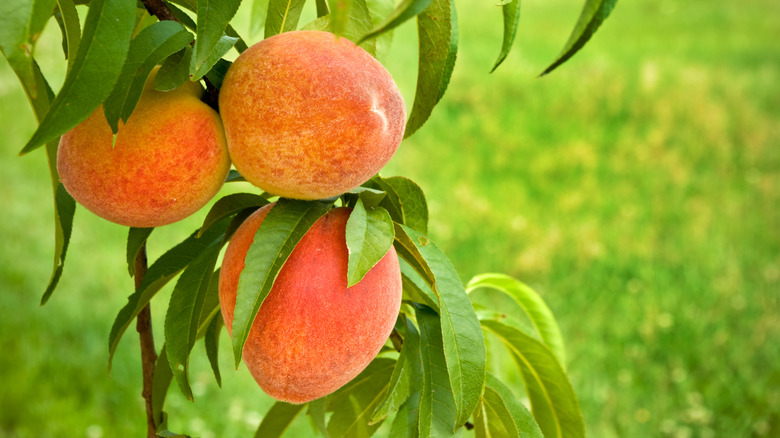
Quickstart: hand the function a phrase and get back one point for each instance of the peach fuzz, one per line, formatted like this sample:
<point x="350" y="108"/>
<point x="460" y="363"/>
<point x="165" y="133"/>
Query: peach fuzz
<point x="310" y="116"/>
<point x="312" y="334"/>
<point x="169" y="159"/>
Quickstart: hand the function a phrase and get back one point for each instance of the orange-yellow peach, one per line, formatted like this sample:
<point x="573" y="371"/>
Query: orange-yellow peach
<point x="169" y="159"/>
<point x="310" y="116"/>
<point x="312" y="334"/>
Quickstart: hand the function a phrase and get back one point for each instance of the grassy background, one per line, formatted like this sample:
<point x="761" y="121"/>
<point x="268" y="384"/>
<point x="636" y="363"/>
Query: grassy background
<point x="637" y="189"/>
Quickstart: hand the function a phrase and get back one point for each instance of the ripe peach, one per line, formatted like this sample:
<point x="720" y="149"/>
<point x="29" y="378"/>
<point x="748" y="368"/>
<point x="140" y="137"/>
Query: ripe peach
<point x="169" y="159"/>
<point x="312" y="334"/>
<point x="310" y="116"/>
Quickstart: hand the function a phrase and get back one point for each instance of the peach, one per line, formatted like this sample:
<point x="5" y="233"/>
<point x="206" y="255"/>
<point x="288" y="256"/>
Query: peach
<point x="169" y="159"/>
<point x="310" y="116"/>
<point x="313" y="334"/>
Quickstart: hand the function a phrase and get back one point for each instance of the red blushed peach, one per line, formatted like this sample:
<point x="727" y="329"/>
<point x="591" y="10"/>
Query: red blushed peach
<point x="169" y="160"/>
<point x="310" y="116"/>
<point x="312" y="334"/>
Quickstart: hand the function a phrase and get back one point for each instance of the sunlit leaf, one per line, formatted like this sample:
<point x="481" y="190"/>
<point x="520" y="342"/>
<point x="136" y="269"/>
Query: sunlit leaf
<point x="71" y="29"/>
<point x="213" y="18"/>
<point x="370" y="235"/>
<point x="500" y="414"/>
<point x="136" y="238"/>
<point x="175" y="71"/>
<point x="405" y="201"/>
<point x="286" y="223"/>
<point x="160" y="384"/>
<point x="316" y="411"/>
<point x="406" y="377"/>
<point x="553" y="401"/>
<point x="282" y="16"/>
<point x="258" y="16"/>
<point x="415" y="288"/>
<point x="511" y="14"/>
<point x="594" y="12"/>
<point x="438" y="412"/>
<point x="405" y="10"/>
<point x="532" y="304"/>
<point x="229" y="205"/>
<point x="353" y="404"/>
<point x="277" y="419"/>
<point x="102" y="52"/>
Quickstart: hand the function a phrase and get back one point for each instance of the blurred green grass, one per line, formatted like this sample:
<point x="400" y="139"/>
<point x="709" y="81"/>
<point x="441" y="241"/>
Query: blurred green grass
<point x="637" y="188"/>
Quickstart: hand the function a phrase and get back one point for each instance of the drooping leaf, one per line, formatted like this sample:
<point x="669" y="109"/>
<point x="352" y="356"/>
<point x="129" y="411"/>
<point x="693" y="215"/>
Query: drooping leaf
<point x="405" y="201"/>
<point x="339" y="15"/>
<point x="438" y="411"/>
<point x="185" y="310"/>
<point x="278" y="419"/>
<point x="370" y="197"/>
<point x="229" y="205"/>
<point x="415" y="288"/>
<point x="464" y="345"/>
<point x="436" y="55"/>
<point x="160" y="383"/>
<point x="192" y="5"/>
<point x="532" y="304"/>
<point x="404" y="11"/>
<point x="175" y="71"/>
<point x="594" y="12"/>
<point x="286" y="223"/>
<point x="21" y="23"/>
<point x="316" y="411"/>
<point x="259" y="14"/>
<point x="211" y="341"/>
<point x="64" y="210"/>
<point x="71" y="29"/>
<point x="102" y="52"/>
<point x="511" y="14"/>
<point x="158" y="275"/>
<point x="282" y="16"/>
<point x="449" y="65"/>
<point x="213" y="18"/>
<point x="406" y="377"/>
<point x="216" y="75"/>
<point x="353" y="404"/>
<point x="136" y="238"/>
<point x="355" y="21"/>
<point x="148" y="48"/>
<point x="370" y="235"/>
<point x="408" y="251"/>
<point x="553" y="401"/>
<point x="212" y="57"/>
<point x="501" y="414"/>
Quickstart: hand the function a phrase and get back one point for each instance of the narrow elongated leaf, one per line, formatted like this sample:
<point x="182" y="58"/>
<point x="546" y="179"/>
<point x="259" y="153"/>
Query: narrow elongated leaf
<point x="355" y="21"/>
<point x="352" y="406"/>
<point x="277" y="419"/>
<point x="158" y="275"/>
<point x="212" y="57"/>
<point x="511" y="13"/>
<point x="406" y="376"/>
<point x="316" y="412"/>
<point x="339" y="15"/>
<point x="438" y="411"/>
<point x="416" y="289"/>
<point x="370" y="235"/>
<point x="101" y="54"/>
<point x="192" y="5"/>
<point x="286" y="223"/>
<point x="405" y="201"/>
<point x="405" y="422"/>
<point x="71" y="28"/>
<point x="213" y="18"/>
<point x="406" y="248"/>
<point x="464" y="345"/>
<point x="211" y="341"/>
<point x="148" y="48"/>
<point x="175" y="71"/>
<point x="436" y="54"/>
<point x="505" y="414"/>
<point x="64" y="210"/>
<point x="282" y="16"/>
<point x="594" y="12"/>
<point x="540" y="315"/>
<point x="185" y="311"/>
<point x="230" y="205"/>
<point x="21" y="22"/>
<point x="259" y="14"/>
<point x="136" y="238"/>
<point x="160" y="383"/>
<point x="553" y="402"/>
<point x="449" y="65"/>
<point x="404" y="11"/>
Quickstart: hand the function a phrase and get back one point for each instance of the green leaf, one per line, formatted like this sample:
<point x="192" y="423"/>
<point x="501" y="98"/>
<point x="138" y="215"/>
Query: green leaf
<point x="511" y="13"/>
<point x="464" y="345"/>
<point x="258" y="16"/>
<point x="353" y="404"/>
<point x="71" y="29"/>
<point x="406" y="377"/>
<point x="316" y="412"/>
<point x="436" y="60"/>
<point x="185" y="312"/>
<point x="278" y="419"/>
<point x="594" y="12"/>
<point x="216" y="75"/>
<point x="532" y="304"/>
<point x="64" y="209"/>
<point x="438" y="411"/>
<point x="230" y="205"/>
<point x="415" y="288"/>
<point x="192" y="5"/>
<point x="405" y="201"/>
<point x="553" y="401"/>
<point x="160" y="383"/>
<point x="408" y="251"/>
<point x="282" y="16"/>
<point x="175" y="71"/>
<point x="501" y="414"/>
<point x="215" y="55"/>
<point x="213" y="18"/>
<point x="21" y="22"/>
<point x="148" y="48"/>
<point x="158" y="275"/>
<point x="405" y="422"/>
<point x="404" y="11"/>
<point x="339" y="15"/>
<point x="370" y="235"/>
<point x="370" y="197"/>
<point x="136" y="238"/>
<point x="101" y="54"/>
<point x="211" y="341"/>
<point x="286" y="223"/>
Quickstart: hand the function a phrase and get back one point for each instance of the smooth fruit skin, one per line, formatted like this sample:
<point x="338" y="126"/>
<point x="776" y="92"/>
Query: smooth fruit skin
<point x="310" y="116"/>
<point x="169" y="160"/>
<point x="312" y="334"/>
